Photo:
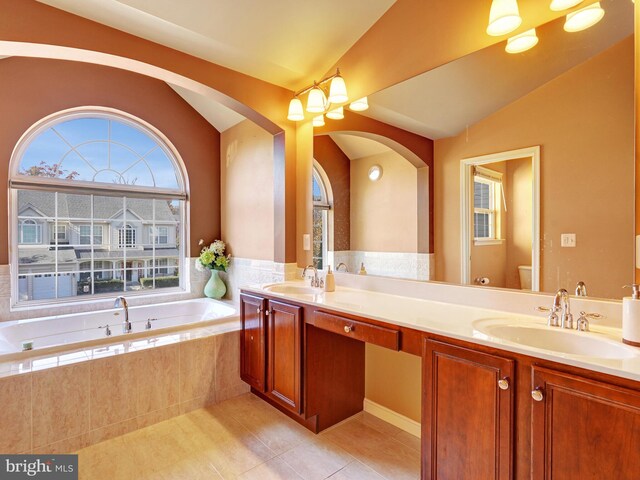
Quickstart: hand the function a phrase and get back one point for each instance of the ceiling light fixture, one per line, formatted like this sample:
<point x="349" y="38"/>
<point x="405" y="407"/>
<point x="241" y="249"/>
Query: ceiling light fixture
<point x="359" y="105"/>
<point x="375" y="173"/>
<point x="559" y="5"/>
<point x="336" y="114"/>
<point x="523" y="42"/>
<point x="504" y="17"/>
<point x="317" y="100"/>
<point x="584" y="18"/>
<point x="318" y="121"/>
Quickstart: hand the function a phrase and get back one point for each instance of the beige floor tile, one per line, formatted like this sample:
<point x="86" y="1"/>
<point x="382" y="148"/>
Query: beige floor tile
<point x="382" y="453"/>
<point x="274" y="469"/>
<point x="60" y="407"/>
<point x="317" y="459"/>
<point x="409" y="440"/>
<point x="378" y="424"/>
<point x="356" y="471"/>
<point x="272" y="427"/>
<point x="15" y="414"/>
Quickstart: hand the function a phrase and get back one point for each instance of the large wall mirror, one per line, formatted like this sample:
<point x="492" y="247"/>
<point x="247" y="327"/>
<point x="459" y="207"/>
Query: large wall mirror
<point x="571" y="97"/>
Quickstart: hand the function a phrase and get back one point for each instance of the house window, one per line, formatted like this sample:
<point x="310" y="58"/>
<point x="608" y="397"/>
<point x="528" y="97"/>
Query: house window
<point x="321" y="208"/>
<point x="487" y="200"/>
<point x="126" y="237"/>
<point x="159" y="235"/>
<point x="85" y="235"/>
<point x="81" y="171"/>
<point x="162" y="263"/>
<point x="30" y="232"/>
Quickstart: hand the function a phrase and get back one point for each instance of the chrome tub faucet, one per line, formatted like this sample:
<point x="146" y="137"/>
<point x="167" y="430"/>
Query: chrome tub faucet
<point x="121" y="302"/>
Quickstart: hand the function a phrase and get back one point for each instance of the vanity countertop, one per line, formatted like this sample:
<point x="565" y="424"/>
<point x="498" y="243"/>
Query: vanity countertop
<point x="603" y="343"/>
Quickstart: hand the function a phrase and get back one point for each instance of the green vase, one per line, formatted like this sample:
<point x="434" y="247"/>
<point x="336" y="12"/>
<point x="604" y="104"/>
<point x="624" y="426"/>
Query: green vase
<point x="215" y="287"/>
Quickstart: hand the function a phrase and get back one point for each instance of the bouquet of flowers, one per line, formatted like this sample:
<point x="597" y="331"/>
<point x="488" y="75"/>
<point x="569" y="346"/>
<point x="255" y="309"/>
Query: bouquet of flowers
<point x="212" y="257"/>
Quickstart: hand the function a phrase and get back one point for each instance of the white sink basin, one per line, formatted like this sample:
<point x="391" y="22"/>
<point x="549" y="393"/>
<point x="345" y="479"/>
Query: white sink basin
<point x="293" y="289"/>
<point x="569" y="342"/>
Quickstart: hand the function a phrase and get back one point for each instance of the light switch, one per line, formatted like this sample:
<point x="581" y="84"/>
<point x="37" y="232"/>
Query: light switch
<point x="568" y="240"/>
<point x="306" y="241"/>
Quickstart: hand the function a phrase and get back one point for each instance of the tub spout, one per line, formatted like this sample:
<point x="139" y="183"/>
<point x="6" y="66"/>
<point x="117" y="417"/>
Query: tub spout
<point x="121" y="302"/>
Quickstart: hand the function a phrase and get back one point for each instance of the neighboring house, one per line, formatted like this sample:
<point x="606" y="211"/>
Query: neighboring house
<point x="123" y="243"/>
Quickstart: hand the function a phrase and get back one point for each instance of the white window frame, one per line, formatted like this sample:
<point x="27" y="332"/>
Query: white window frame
<point x="38" y="228"/>
<point x="493" y="211"/>
<point x="155" y="235"/>
<point x="127" y="230"/>
<point x="324" y="206"/>
<point x="56" y="235"/>
<point x="18" y="182"/>
<point x="92" y="235"/>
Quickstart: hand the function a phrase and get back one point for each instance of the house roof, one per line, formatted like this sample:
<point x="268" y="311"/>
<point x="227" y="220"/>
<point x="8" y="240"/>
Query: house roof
<point x="79" y="206"/>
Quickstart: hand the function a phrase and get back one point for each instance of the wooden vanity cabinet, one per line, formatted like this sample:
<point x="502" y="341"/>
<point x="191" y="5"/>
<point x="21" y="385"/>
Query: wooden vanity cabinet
<point x="583" y="429"/>
<point x="467" y="413"/>
<point x="253" y="341"/>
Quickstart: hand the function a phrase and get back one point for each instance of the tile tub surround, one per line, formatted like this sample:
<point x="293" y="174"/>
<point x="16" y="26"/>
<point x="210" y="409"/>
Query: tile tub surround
<point x="66" y="408"/>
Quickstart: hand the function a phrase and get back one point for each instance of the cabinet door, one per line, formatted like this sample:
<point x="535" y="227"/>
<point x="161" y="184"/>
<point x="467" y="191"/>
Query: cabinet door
<point x="252" y="341"/>
<point x="583" y="429"/>
<point x="284" y="353"/>
<point x="467" y="413"/>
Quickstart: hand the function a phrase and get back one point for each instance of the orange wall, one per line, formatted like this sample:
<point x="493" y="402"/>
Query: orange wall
<point x="337" y="166"/>
<point x="34" y="88"/>
<point x="247" y="190"/>
<point x="584" y="121"/>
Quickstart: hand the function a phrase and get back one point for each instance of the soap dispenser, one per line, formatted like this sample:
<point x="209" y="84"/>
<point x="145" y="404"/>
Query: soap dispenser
<point x="329" y="281"/>
<point x="363" y="271"/>
<point x="631" y="317"/>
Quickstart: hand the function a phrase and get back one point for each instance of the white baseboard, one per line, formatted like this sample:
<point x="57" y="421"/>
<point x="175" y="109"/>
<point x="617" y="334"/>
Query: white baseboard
<point x="394" y="418"/>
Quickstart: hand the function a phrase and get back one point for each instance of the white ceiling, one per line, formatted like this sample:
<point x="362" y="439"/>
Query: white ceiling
<point x="443" y="102"/>
<point x="215" y="113"/>
<point x="356" y="147"/>
<point x="285" y="42"/>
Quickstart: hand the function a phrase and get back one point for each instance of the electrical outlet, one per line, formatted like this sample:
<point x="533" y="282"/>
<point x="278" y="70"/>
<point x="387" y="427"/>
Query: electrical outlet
<point x="568" y="240"/>
<point x="306" y="242"/>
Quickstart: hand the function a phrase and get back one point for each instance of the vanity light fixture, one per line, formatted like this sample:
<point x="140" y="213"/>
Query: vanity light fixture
<point x="522" y="42"/>
<point x="359" y="105"/>
<point x="584" y="18"/>
<point x="375" y="173"/>
<point x="317" y="100"/>
<point x="318" y="121"/>
<point x="336" y="114"/>
<point x="504" y="17"/>
<point x="559" y="5"/>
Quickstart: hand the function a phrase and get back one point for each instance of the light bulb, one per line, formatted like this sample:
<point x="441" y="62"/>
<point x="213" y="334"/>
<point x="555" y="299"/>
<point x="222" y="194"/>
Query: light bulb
<point x="336" y="114"/>
<point x="559" y="5"/>
<point x="504" y="17"/>
<point x="523" y="42"/>
<point x="338" y="90"/>
<point x="584" y="18"/>
<point x="316" y="102"/>
<point x="359" y="105"/>
<point x="375" y="173"/>
<point x="318" y="121"/>
<point x="296" y="112"/>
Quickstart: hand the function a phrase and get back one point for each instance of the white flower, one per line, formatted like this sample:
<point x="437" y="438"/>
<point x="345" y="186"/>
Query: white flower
<point x="218" y="247"/>
<point x="199" y="266"/>
<point x="200" y="242"/>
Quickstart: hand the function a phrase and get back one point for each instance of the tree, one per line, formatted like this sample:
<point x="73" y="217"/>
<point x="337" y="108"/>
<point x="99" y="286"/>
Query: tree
<point x="50" y="171"/>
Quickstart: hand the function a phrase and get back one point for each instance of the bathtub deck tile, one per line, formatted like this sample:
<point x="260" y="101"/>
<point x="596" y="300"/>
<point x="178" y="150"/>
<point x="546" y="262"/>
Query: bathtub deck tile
<point x="15" y="414"/>
<point x="60" y="404"/>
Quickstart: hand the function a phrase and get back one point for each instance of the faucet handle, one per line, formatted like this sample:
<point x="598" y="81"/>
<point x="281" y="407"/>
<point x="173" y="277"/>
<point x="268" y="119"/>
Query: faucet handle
<point x="552" y="318"/>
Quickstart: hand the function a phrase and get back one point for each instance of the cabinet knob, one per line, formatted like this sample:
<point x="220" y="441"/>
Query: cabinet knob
<point x="348" y="328"/>
<point x="503" y="383"/>
<point x="259" y="310"/>
<point x="537" y="394"/>
<point x="251" y="337"/>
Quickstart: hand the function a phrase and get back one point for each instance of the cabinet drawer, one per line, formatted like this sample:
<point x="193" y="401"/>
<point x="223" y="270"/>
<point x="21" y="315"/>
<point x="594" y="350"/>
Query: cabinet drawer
<point x="385" y="337"/>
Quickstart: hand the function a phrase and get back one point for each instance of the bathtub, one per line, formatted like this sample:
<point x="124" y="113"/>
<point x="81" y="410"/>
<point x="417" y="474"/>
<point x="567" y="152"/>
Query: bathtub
<point x="79" y="330"/>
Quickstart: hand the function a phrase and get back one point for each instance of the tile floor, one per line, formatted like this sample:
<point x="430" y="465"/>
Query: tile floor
<point x="244" y="438"/>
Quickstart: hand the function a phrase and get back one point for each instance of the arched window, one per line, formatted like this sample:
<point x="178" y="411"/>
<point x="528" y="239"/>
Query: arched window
<point x="89" y="190"/>
<point x="321" y="207"/>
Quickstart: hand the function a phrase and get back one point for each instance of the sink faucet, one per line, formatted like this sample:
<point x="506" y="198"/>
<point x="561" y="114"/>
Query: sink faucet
<point x="315" y="281"/>
<point x="581" y="289"/>
<point x="342" y="264"/>
<point x="121" y="302"/>
<point x="561" y="303"/>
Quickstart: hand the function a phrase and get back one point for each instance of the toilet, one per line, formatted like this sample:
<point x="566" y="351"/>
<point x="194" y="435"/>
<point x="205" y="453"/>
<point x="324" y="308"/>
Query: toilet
<point x="525" y="276"/>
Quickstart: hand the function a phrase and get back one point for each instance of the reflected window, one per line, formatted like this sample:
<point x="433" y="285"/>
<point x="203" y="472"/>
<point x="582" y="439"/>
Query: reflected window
<point x="107" y="193"/>
<point x="487" y="200"/>
<point x="321" y="207"/>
